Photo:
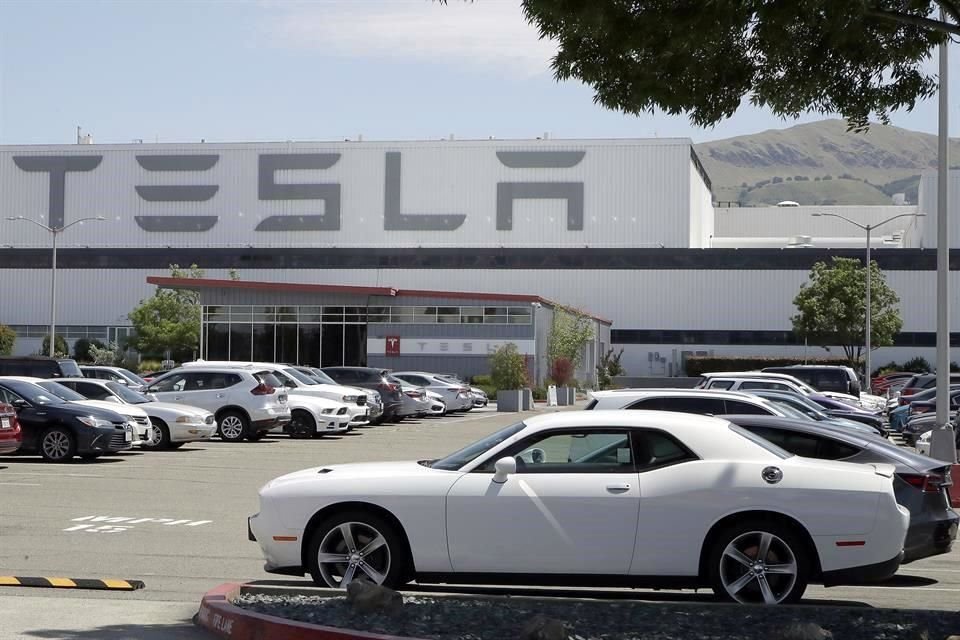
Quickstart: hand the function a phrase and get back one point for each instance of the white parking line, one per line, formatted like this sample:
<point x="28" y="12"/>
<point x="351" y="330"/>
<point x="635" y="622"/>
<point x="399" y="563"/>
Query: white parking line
<point x="118" y="524"/>
<point x="20" y="484"/>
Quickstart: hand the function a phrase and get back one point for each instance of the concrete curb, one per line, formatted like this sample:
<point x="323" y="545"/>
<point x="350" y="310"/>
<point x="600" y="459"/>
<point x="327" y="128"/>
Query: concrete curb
<point x="222" y="618"/>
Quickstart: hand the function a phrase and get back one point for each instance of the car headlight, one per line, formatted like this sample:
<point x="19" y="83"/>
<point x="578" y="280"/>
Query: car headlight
<point x="326" y="412"/>
<point x="90" y="421"/>
<point x="349" y="398"/>
<point x="190" y="420"/>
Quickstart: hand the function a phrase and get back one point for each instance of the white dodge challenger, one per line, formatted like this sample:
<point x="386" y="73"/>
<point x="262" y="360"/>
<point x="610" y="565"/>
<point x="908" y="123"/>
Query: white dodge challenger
<point x="614" y="498"/>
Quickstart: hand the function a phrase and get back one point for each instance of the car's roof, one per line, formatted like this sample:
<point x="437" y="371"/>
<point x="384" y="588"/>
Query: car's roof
<point x="745" y="375"/>
<point x="708" y="437"/>
<point x="701" y="393"/>
<point x="832" y="367"/>
<point x="102" y="383"/>
<point x="211" y="369"/>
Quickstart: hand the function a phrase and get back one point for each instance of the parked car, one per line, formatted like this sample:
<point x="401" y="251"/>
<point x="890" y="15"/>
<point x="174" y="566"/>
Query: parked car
<point x="881" y="384"/>
<point x="297" y="383"/>
<point x="59" y="430"/>
<point x="173" y="425"/>
<point x="823" y="377"/>
<point x="372" y="399"/>
<point x="438" y="406"/>
<point x="135" y="415"/>
<point x="415" y="402"/>
<point x="116" y="374"/>
<point x="245" y="404"/>
<point x="480" y="398"/>
<point x="746" y="380"/>
<point x="698" y="401"/>
<point x="845" y="410"/>
<point x="922" y="381"/>
<point x="556" y="500"/>
<point x="921" y="484"/>
<point x="371" y="378"/>
<point x="11" y="436"/>
<point x="456" y="395"/>
<point x="810" y="410"/>
<point x="39" y="367"/>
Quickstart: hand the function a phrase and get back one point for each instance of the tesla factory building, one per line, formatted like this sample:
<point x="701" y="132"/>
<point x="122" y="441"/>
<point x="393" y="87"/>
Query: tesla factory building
<point x="376" y="252"/>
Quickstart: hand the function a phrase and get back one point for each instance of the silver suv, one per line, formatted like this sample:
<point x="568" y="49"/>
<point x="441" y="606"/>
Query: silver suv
<point x="247" y="403"/>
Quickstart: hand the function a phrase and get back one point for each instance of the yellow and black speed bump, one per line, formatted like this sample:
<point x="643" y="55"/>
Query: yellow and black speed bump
<point x="72" y="583"/>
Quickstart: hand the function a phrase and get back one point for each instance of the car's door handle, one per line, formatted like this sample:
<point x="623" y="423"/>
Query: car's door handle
<point x="178" y="397"/>
<point x="618" y="488"/>
<point x="221" y="395"/>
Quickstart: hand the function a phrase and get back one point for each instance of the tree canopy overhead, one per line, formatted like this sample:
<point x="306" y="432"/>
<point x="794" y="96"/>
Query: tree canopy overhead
<point x="859" y="58"/>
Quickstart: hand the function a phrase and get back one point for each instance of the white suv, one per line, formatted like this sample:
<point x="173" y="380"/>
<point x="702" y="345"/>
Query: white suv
<point x="247" y="403"/>
<point x="299" y="384"/>
<point x="698" y="401"/>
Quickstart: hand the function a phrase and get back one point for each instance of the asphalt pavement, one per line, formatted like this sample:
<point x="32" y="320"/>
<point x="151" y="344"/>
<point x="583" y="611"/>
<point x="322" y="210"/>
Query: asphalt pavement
<point x="177" y="521"/>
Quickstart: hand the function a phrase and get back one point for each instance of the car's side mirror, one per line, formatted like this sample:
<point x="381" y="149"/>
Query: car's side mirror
<point x="19" y="403"/>
<point x="150" y="397"/>
<point x="504" y="468"/>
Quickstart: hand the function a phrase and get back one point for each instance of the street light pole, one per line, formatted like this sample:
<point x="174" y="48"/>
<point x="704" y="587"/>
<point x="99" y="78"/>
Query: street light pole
<point x="54" y="231"/>
<point x="868" y="325"/>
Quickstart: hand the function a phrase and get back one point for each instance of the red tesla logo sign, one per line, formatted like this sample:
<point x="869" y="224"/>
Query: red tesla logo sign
<point x="393" y="345"/>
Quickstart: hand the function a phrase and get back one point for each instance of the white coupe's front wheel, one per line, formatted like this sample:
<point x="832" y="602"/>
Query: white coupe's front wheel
<point x="759" y="563"/>
<point x="350" y="545"/>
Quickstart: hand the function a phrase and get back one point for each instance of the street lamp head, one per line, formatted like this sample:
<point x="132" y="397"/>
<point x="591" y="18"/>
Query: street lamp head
<point x="15" y="218"/>
<point x="816" y="215"/>
<point x="99" y="218"/>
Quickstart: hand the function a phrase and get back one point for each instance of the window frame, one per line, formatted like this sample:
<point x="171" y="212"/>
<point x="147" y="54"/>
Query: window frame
<point x="512" y="450"/>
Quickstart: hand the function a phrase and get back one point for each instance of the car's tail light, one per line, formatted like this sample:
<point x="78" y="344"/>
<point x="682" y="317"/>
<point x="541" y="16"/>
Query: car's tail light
<point x="262" y="389"/>
<point x="908" y="391"/>
<point x="388" y="387"/>
<point x="927" y="482"/>
<point x="414" y="394"/>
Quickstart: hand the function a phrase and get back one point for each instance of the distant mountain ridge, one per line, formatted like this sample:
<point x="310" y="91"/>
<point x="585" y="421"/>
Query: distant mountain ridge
<point x="820" y="163"/>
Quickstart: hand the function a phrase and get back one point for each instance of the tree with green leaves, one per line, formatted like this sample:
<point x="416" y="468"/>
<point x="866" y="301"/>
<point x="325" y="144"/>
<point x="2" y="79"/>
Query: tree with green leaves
<point x="608" y="368"/>
<point x="8" y="338"/>
<point x="169" y="321"/>
<point x="861" y="59"/>
<point x="508" y="368"/>
<point x="60" y="347"/>
<point x="831" y="307"/>
<point x="570" y="332"/>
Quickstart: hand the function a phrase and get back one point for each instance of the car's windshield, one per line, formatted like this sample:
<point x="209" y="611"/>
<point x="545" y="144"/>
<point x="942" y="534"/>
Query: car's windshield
<point x="299" y="377"/>
<point x="459" y="458"/>
<point x="789" y="410"/>
<point x="132" y="377"/>
<point x="61" y="391"/>
<point x="321" y="377"/>
<point x="32" y="393"/>
<point x="127" y="394"/>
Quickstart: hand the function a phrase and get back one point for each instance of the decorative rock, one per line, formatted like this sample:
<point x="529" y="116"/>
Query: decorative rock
<point x="368" y="597"/>
<point x="541" y="627"/>
<point x="805" y="631"/>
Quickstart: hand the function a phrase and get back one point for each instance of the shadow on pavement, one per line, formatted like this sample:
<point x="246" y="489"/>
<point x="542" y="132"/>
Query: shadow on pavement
<point x="176" y="631"/>
<point x="37" y="460"/>
<point x="906" y="581"/>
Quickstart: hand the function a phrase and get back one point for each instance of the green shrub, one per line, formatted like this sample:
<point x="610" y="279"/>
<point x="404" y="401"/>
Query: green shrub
<point x="148" y="365"/>
<point x="698" y="365"/>
<point x="917" y="365"/>
<point x="60" y="347"/>
<point x="508" y="368"/>
<point x="81" y="349"/>
<point x="7" y="339"/>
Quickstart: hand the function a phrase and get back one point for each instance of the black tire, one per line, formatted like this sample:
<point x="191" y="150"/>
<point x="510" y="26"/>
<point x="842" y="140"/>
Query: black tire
<point x="727" y="573"/>
<point x="397" y="569"/>
<point x="302" y="424"/>
<point x="57" y="444"/>
<point x="237" y="426"/>
<point x="161" y="436"/>
<point x="254" y="436"/>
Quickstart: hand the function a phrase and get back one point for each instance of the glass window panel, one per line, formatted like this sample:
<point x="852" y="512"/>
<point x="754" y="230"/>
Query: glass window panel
<point x="310" y="314"/>
<point x="218" y="341"/>
<point x="425" y="315"/>
<point x="309" y="350"/>
<point x="241" y="341"/>
<point x="471" y="315"/>
<point x="518" y="319"/>
<point x="401" y="314"/>
<point x="495" y="311"/>
<point x="263" y="336"/>
<point x="240" y="314"/>
<point x="495" y="319"/>
<point x="333" y="310"/>
<point x="287" y="343"/>
<point x="378" y="318"/>
<point x="332" y="351"/>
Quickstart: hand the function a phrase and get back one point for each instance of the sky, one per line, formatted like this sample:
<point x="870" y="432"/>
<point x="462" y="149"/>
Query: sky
<point x="182" y="71"/>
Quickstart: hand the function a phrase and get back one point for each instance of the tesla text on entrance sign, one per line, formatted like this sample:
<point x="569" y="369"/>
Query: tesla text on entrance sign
<point x="178" y="197"/>
<point x="443" y="346"/>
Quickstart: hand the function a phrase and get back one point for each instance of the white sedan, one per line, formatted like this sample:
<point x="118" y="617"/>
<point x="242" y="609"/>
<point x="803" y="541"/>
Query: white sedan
<point x="631" y="498"/>
<point x="173" y="425"/>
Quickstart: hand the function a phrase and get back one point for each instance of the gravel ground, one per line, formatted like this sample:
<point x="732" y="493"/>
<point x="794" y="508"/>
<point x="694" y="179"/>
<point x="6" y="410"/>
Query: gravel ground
<point x="456" y="618"/>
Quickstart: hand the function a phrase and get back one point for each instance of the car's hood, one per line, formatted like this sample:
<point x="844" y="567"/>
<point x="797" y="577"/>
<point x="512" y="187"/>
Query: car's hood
<point x="123" y="409"/>
<point x="174" y="407"/>
<point x="355" y="475"/>
<point x="86" y="409"/>
<point x="312" y="402"/>
<point x="327" y="390"/>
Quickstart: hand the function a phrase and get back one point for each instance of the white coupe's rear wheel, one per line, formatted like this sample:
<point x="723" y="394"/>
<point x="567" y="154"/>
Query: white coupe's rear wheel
<point x="354" y="545"/>
<point x="759" y="564"/>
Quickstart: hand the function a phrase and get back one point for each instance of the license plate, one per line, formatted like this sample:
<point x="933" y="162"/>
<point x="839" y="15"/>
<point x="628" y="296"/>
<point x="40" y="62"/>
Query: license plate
<point x="4" y="423"/>
<point x="128" y="435"/>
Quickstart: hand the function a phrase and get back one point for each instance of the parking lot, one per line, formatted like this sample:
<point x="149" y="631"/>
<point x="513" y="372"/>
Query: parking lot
<point x="177" y="521"/>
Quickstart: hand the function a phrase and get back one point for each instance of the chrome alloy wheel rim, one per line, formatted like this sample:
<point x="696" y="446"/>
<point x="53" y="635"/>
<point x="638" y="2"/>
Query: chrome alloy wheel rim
<point x="231" y="427"/>
<point x="350" y="548"/>
<point x="758" y="567"/>
<point x="56" y="445"/>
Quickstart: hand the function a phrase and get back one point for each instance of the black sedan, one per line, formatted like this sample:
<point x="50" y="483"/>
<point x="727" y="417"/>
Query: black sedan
<point x="59" y="430"/>
<point x="921" y="484"/>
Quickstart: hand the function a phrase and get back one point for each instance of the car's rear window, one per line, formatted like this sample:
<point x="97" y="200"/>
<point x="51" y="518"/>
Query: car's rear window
<point x="757" y="440"/>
